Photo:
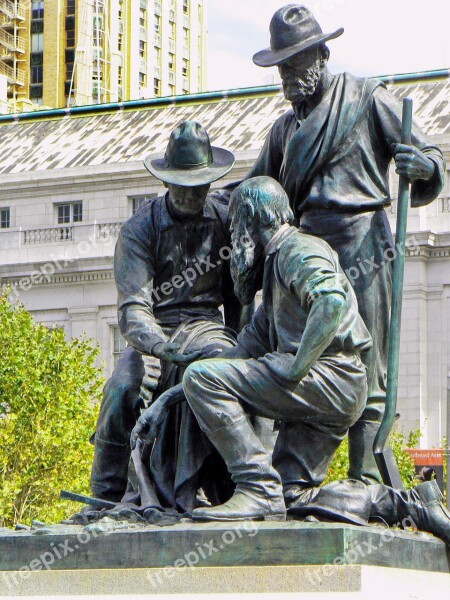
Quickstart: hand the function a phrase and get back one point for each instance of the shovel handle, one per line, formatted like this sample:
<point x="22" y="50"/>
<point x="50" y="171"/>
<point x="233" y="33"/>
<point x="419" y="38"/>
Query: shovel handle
<point x="397" y="292"/>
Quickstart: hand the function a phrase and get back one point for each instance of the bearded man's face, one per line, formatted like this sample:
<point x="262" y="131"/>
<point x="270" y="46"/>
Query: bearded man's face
<point x="247" y="262"/>
<point x="300" y="75"/>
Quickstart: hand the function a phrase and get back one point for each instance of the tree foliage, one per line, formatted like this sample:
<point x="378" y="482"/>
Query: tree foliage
<point x="48" y="389"/>
<point x="398" y="442"/>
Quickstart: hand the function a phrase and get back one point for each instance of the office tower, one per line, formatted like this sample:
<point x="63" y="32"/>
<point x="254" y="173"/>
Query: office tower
<point x="76" y="52"/>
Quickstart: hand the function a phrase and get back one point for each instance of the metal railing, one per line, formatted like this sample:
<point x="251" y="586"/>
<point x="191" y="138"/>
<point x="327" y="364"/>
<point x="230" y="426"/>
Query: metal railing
<point x="13" y="75"/>
<point x="12" y="42"/>
<point x="12" y="10"/>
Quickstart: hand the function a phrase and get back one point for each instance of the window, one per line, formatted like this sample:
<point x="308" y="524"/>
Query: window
<point x="171" y="61"/>
<point x="138" y="201"/>
<point x="142" y="17"/>
<point x="5" y="218"/>
<point x="37" y="10"/>
<point x="36" y="92"/>
<point x="70" y="38"/>
<point x="171" y="90"/>
<point x="77" y="212"/>
<point x="118" y="345"/>
<point x="120" y="42"/>
<point x="69" y="71"/>
<point x="120" y="10"/>
<point x="156" y="86"/>
<point x="172" y="32"/>
<point x="157" y="55"/>
<point x="63" y="214"/>
<point x="37" y="74"/>
<point x="185" y="67"/>
<point x="69" y="213"/>
<point x="142" y="48"/>
<point x="157" y="24"/>
<point x="186" y="7"/>
<point x="120" y="76"/>
<point x="142" y="79"/>
<point x="97" y="24"/>
<point x="37" y="42"/>
<point x="185" y="37"/>
<point x="71" y="7"/>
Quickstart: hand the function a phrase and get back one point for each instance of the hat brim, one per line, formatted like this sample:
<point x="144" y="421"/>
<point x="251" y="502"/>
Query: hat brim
<point x="271" y="58"/>
<point x="223" y="161"/>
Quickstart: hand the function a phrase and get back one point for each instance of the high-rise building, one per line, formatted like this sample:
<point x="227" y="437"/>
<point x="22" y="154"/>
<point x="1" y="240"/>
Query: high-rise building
<point x="14" y="46"/>
<point x="76" y="52"/>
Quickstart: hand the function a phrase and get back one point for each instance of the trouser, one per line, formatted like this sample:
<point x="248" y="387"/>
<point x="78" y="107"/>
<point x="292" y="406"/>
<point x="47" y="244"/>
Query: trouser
<point x="135" y="378"/>
<point x="181" y="451"/>
<point x="316" y="413"/>
<point x="363" y="242"/>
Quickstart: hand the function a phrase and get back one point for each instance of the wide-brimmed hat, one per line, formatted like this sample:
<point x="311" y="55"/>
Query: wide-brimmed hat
<point x="293" y="29"/>
<point x="189" y="158"/>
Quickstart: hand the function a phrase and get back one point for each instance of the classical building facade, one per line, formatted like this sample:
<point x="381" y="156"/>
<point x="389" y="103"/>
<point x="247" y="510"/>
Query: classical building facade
<point x="67" y="185"/>
<point x="78" y="52"/>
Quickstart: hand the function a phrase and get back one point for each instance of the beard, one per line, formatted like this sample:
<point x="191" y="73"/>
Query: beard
<point x="296" y="89"/>
<point x="247" y="269"/>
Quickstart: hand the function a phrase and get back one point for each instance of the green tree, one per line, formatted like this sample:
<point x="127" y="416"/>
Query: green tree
<point x="48" y="393"/>
<point x="398" y="442"/>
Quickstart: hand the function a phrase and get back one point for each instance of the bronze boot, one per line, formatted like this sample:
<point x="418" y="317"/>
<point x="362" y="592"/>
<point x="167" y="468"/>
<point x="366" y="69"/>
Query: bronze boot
<point x="258" y="494"/>
<point x="363" y="466"/>
<point x="420" y="507"/>
<point x="109" y="474"/>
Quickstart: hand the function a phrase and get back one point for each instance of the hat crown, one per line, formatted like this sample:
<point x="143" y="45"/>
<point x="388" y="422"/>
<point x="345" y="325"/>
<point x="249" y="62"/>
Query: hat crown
<point x="291" y="25"/>
<point x="189" y="147"/>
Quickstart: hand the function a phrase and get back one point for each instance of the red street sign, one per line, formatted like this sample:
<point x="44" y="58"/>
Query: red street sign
<point x="429" y="464"/>
<point x="434" y="458"/>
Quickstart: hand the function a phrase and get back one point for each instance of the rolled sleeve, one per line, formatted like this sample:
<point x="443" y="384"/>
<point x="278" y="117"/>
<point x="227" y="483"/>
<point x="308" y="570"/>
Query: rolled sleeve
<point x="314" y="277"/>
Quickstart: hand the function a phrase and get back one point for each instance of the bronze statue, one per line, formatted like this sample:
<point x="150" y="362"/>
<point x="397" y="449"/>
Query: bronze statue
<point x="331" y="153"/>
<point x="172" y="276"/>
<point x="299" y="362"/>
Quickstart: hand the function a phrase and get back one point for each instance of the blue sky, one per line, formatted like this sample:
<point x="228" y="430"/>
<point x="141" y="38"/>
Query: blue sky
<point x="381" y="37"/>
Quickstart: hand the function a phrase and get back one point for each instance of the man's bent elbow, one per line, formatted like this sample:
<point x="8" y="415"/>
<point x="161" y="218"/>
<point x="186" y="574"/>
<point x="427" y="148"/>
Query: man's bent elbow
<point x="333" y="306"/>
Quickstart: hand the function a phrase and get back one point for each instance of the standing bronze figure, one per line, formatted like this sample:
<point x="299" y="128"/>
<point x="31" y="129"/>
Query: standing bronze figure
<point x="331" y="152"/>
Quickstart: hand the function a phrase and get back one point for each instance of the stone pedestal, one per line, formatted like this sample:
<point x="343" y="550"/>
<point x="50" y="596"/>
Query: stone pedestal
<point x="212" y="558"/>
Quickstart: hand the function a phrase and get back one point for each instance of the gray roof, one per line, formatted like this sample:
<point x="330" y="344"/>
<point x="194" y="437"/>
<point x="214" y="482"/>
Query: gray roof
<point x="130" y="135"/>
